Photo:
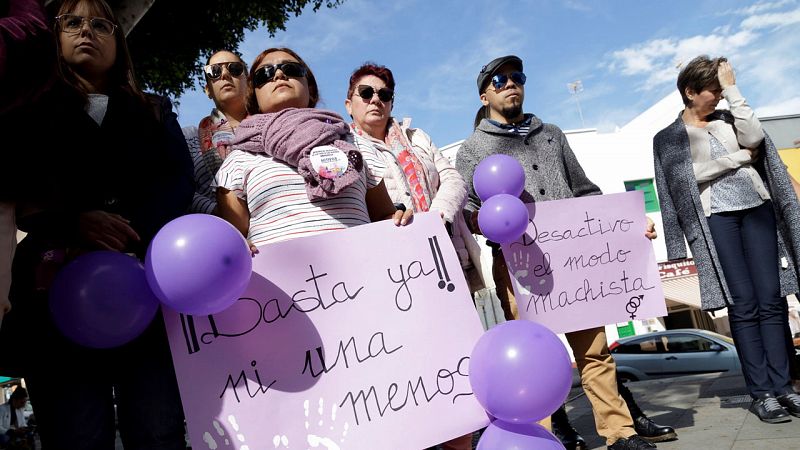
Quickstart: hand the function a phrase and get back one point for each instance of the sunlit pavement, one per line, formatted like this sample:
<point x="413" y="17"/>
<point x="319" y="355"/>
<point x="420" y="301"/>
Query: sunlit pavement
<point x="709" y="412"/>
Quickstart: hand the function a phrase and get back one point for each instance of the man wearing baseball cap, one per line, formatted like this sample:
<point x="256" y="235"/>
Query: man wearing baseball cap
<point x="552" y="172"/>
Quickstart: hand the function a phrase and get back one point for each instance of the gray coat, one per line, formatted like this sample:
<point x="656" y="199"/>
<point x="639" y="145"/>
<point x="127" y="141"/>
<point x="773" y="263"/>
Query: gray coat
<point x="682" y="211"/>
<point x="552" y="171"/>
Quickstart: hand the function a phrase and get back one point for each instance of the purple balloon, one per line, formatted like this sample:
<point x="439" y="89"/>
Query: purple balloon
<point x="503" y="218"/>
<point x="520" y="371"/>
<point x="198" y="264"/>
<point x="102" y="300"/>
<point x="498" y="174"/>
<point x="501" y="435"/>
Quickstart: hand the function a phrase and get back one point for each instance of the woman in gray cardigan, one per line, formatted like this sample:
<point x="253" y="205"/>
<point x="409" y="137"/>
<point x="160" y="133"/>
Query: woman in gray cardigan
<point x="722" y="185"/>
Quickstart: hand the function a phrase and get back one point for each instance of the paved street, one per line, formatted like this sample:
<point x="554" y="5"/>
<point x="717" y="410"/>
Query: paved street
<point x="709" y="412"/>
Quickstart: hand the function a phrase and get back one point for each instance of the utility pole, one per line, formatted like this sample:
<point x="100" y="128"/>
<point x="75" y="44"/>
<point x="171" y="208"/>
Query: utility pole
<point x="576" y="88"/>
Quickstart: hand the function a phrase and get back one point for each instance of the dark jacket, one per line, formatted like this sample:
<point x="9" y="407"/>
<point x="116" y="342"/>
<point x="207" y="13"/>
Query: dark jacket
<point x="27" y="67"/>
<point x="136" y="164"/>
<point x="682" y="211"/>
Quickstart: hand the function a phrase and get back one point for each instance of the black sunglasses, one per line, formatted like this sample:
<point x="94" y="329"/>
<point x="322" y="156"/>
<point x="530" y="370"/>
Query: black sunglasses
<point x="499" y="81"/>
<point x="366" y="92"/>
<point x="214" y="71"/>
<point x="265" y="74"/>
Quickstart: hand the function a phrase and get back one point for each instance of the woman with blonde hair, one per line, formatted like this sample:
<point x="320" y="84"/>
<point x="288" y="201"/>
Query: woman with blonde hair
<point x="226" y="85"/>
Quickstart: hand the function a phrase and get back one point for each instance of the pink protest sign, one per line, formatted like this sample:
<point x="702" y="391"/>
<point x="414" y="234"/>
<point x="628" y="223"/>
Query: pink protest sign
<point x="354" y="339"/>
<point x="585" y="262"/>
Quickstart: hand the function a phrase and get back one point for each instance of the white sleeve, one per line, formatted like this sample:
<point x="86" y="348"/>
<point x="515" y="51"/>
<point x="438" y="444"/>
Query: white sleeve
<point x="231" y="175"/>
<point x="711" y="170"/>
<point x="748" y="128"/>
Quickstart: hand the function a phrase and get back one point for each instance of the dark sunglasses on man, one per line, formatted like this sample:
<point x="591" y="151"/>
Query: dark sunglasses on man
<point x="366" y="92"/>
<point x="214" y="71"/>
<point x="72" y="24"/>
<point x="266" y="73"/>
<point x="500" y="80"/>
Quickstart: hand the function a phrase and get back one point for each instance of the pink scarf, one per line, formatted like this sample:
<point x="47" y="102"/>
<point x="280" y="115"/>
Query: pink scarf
<point x="413" y="172"/>
<point x="289" y="136"/>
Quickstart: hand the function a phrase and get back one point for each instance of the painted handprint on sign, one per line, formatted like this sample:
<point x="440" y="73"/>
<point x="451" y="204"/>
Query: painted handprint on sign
<point x="318" y="428"/>
<point x="210" y="439"/>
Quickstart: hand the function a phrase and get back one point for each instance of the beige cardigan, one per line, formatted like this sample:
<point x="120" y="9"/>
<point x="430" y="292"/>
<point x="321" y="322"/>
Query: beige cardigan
<point x="745" y="134"/>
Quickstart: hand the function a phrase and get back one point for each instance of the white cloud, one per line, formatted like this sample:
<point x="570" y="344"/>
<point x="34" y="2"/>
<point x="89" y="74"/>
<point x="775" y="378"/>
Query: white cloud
<point x="772" y="20"/>
<point x="759" y="42"/>
<point x="576" y="5"/>
<point x="780" y="108"/>
<point x="657" y="61"/>
<point x="660" y="59"/>
<point x="760" y="7"/>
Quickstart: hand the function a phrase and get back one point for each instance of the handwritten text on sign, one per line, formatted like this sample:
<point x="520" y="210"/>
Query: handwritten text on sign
<point x="345" y="340"/>
<point x="585" y="262"/>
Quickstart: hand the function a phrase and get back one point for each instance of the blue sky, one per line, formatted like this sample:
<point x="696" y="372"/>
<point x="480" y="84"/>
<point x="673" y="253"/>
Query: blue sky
<point x="624" y="52"/>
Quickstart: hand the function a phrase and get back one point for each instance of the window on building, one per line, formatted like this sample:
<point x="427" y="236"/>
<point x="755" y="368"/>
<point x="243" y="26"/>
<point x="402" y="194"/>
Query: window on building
<point x="649" y="190"/>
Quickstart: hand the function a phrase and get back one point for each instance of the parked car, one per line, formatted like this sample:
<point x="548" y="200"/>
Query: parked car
<point x="674" y="353"/>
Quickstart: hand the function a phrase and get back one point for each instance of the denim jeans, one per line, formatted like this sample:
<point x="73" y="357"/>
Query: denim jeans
<point x="747" y="246"/>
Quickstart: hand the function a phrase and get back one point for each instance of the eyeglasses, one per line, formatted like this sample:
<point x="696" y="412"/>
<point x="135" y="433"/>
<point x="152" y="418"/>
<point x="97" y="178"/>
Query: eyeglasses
<point x="72" y="24"/>
<point x="500" y="80"/>
<point x="366" y="92"/>
<point x="265" y="74"/>
<point x="214" y="71"/>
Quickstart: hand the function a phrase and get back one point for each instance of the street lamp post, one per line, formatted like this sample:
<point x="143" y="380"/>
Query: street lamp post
<point x="576" y="88"/>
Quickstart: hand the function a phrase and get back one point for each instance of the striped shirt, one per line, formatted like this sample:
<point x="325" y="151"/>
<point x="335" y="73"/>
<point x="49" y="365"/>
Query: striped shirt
<point x="204" y="201"/>
<point x="279" y="205"/>
<point x="521" y="128"/>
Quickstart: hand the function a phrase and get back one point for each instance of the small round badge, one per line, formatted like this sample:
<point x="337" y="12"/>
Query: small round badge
<point x="328" y="161"/>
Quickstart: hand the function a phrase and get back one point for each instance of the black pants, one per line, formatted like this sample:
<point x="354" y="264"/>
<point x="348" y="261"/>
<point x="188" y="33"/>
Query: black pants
<point x="746" y="243"/>
<point x="76" y="397"/>
<point x="75" y="390"/>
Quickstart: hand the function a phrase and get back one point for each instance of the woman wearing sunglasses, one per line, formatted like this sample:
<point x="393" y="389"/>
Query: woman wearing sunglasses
<point x="209" y="144"/>
<point x="274" y="184"/>
<point x="117" y="169"/>
<point x="417" y="175"/>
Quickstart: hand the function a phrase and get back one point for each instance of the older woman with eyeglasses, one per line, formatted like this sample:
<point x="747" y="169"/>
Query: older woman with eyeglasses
<point x="418" y="177"/>
<point x="274" y="186"/>
<point x="209" y="143"/>
<point x="116" y="169"/>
